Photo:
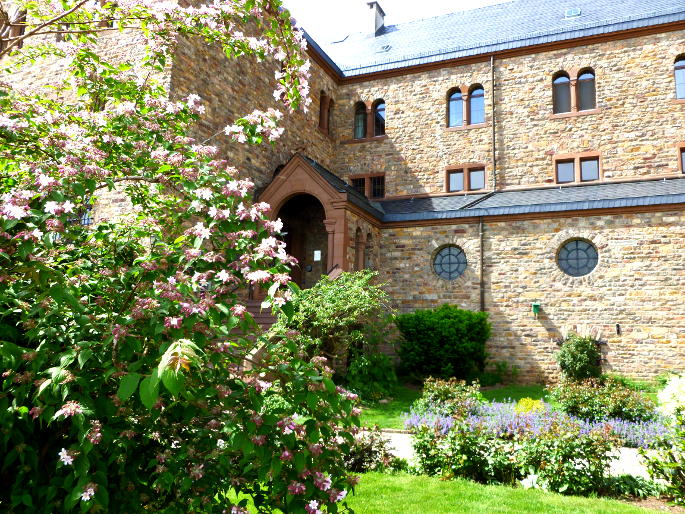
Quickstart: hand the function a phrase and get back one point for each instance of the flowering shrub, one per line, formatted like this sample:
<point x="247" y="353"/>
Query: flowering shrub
<point x="672" y="396"/>
<point x="500" y="445"/>
<point x="503" y="420"/>
<point x="666" y="460"/>
<point x="579" y="358"/>
<point x="370" y="452"/>
<point x="449" y="397"/>
<point x="594" y="400"/>
<point x="123" y="384"/>
<point x="529" y="405"/>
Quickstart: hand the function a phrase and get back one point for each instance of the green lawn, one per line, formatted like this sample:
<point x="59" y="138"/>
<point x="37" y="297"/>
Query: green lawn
<point x="408" y="494"/>
<point x="390" y="415"/>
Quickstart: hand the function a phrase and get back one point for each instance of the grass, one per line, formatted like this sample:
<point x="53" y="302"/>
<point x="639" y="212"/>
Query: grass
<point x="389" y="415"/>
<point x="408" y="494"/>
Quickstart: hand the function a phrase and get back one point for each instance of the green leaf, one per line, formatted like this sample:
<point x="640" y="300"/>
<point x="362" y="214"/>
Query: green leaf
<point x="149" y="390"/>
<point x="83" y="356"/>
<point x="26" y="500"/>
<point x="127" y="386"/>
<point x="330" y="386"/>
<point x="172" y="381"/>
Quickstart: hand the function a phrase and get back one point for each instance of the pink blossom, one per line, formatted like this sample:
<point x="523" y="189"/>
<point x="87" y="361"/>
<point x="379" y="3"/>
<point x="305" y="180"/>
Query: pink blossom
<point x="238" y="310"/>
<point x="336" y="496"/>
<point x="313" y="507"/>
<point x="35" y="412"/>
<point x="258" y="276"/>
<point x="322" y="481"/>
<point x="66" y="457"/>
<point x="259" y="440"/>
<point x="89" y="492"/>
<point x="286" y="455"/>
<point x="71" y="408"/>
<point x="95" y="434"/>
<point x="296" y="488"/>
<point x="316" y="449"/>
<point x="171" y="322"/>
<point x="119" y="332"/>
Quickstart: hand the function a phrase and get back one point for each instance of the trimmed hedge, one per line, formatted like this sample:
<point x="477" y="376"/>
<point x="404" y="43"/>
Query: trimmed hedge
<point x="443" y="342"/>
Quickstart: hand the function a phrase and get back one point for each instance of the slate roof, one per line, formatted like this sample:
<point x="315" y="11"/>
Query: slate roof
<point x="548" y="200"/>
<point x="514" y="24"/>
<point x="579" y="197"/>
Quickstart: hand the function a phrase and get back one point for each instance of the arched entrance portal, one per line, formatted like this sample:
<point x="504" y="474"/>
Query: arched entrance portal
<point x="306" y="238"/>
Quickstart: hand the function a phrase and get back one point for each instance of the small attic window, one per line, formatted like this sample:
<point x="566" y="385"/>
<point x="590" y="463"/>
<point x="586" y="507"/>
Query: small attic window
<point x="572" y="12"/>
<point x="384" y="48"/>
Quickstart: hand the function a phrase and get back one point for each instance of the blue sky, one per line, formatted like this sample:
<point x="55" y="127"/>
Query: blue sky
<point x="330" y="20"/>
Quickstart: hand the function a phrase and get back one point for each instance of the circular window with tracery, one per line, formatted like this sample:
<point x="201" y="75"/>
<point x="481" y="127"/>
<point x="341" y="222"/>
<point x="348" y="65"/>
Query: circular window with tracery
<point x="577" y="258"/>
<point x="450" y="262"/>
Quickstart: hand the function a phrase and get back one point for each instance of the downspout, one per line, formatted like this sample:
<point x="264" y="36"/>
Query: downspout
<point x="492" y="115"/>
<point x="481" y="267"/>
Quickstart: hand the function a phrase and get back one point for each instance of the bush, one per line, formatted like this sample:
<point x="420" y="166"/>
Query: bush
<point x="595" y="400"/>
<point x="369" y="452"/>
<point x="579" y="358"/>
<point x="443" y="342"/>
<point x="561" y="456"/>
<point x="629" y="486"/>
<point x="337" y="314"/>
<point x="450" y="397"/>
<point x="672" y="396"/>
<point x="525" y="405"/>
<point x="371" y="375"/>
<point x="666" y="461"/>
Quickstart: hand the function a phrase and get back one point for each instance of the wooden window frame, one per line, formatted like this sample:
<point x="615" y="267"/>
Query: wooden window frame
<point x="466" y="108"/>
<point x="577" y="158"/>
<point x="678" y="64"/>
<point x="466" y="169"/>
<point x="680" y="147"/>
<point x="370" y="108"/>
<point x="367" y="184"/>
<point x="374" y="110"/>
<point x="573" y="75"/>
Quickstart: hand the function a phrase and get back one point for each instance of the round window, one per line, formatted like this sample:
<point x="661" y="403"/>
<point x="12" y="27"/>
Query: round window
<point x="450" y="262"/>
<point x="577" y="258"/>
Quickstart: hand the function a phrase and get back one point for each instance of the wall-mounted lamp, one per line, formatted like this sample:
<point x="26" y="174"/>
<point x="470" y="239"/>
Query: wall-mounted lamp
<point x="535" y="307"/>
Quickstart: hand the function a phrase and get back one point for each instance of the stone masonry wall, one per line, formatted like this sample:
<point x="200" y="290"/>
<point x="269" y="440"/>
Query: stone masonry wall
<point x="231" y="88"/>
<point x="638" y="284"/>
<point x="635" y="130"/>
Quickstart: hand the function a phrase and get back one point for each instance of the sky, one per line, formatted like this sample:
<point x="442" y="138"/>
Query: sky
<point x="331" y="20"/>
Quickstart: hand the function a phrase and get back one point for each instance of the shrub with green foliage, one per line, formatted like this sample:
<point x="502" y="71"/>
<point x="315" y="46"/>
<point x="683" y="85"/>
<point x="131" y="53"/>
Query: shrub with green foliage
<point x="371" y="375"/>
<point x="580" y="358"/>
<point x="443" y="342"/>
<point x="340" y="315"/>
<point x="449" y="397"/>
<point x="666" y="460"/>
<point x="370" y="451"/>
<point x="593" y="400"/>
<point x="559" y="458"/>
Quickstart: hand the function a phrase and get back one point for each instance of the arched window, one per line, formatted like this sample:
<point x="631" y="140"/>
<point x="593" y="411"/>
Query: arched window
<point x="379" y="118"/>
<point x="476" y="105"/>
<point x="329" y="114"/>
<point x="323" y="110"/>
<point x="586" y="90"/>
<point x="368" y="252"/>
<point x="561" y="90"/>
<point x="455" y="109"/>
<point x="358" y="250"/>
<point x="359" y="120"/>
<point x="680" y="77"/>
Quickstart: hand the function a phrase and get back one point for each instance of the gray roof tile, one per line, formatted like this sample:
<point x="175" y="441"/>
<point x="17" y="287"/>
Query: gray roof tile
<point x="513" y="24"/>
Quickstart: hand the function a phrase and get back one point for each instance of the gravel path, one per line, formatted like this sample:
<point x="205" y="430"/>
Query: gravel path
<point x="629" y="461"/>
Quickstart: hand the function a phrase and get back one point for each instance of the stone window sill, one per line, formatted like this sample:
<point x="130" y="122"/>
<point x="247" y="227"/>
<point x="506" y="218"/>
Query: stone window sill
<point x="574" y="114"/>
<point x="678" y="101"/>
<point x="365" y="140"/>
<point x="467" y="127"/>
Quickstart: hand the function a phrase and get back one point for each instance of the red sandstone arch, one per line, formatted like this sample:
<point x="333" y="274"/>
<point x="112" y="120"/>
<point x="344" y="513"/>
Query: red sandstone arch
<point x="299" y="177"/>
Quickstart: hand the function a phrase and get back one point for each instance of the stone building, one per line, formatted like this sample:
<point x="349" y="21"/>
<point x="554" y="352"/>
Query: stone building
<point x="525" y="159"/>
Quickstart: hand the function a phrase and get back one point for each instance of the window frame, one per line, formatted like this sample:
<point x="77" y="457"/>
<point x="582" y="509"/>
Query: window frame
<point x="679" y="68"/>
<point x="360" y="113"/>
<point x="374" y="113"/>
<point x="466" y="170"/>
<point x="459" y="101"/>
<point x="469" y="105"/>
<point x="556" y="86"/>
<point x="576" y="240"/>
<point x="680" y="148"/>
<point x="579" y="90"/>
<point x="325" y="108"/>
<point x="368" y="189"/>
<point x="575" y="92"/>
<point x="577" y="159"/>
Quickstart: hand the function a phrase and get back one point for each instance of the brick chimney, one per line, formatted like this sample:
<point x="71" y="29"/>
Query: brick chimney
<point x="378" y="18"/>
